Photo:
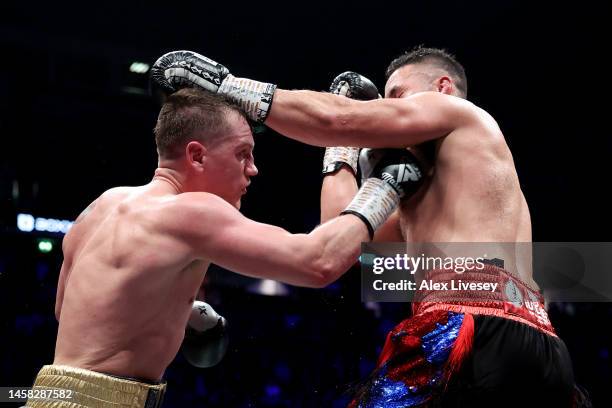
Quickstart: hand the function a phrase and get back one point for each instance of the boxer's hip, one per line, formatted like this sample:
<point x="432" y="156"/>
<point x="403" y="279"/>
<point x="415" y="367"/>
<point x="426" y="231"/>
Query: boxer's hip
<point x="85" y="388"/>
<point x="510" y="299"/>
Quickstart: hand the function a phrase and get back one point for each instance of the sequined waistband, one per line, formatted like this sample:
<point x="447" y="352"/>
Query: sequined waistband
<point x="491" y="291"/>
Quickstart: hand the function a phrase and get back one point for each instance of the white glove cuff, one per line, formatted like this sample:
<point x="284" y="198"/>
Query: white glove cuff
<point x="252" y="96"/>
<point x="335" y="156"/>
<point x="374" y="203"/>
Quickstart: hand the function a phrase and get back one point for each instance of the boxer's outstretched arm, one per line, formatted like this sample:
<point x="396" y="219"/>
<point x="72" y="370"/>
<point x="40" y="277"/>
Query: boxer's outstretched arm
<point x="329" y="120"/>
<point x="218" y="233"/>
<point x="318" y="118"/>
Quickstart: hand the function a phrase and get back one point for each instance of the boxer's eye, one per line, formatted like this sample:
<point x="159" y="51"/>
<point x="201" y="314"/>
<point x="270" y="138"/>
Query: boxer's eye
<point x="244" y="155"/>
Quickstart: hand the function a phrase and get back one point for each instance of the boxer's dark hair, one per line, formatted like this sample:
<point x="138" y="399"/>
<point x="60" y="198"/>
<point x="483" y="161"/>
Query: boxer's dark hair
<point x="191" y="114"/>
<point x="437" y="57"/>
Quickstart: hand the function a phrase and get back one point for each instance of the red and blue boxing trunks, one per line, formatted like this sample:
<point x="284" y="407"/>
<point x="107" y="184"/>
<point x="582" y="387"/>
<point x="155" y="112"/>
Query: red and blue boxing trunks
<point x="498" y="351"/>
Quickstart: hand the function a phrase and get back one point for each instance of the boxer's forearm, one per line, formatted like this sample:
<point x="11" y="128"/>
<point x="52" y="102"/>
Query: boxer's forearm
<point x="337" y="245"/>
<point x="314" y="118"/>
<point x="323" y="119"/>
<point x="337" y="191"/>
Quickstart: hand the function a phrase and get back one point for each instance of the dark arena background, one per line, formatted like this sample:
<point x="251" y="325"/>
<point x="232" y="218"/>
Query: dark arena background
<point x="76" y="119"/>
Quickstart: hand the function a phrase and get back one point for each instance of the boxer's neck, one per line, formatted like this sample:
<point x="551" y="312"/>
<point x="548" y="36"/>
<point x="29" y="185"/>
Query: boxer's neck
<point x="172" y="177"/>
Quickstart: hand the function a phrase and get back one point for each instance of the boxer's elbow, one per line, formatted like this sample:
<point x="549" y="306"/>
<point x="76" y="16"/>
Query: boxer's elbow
<point x="322" y="274"/>
<point x="307" y="271"/>
<point x="325" y="270"/>
<point x="318" y="266"/>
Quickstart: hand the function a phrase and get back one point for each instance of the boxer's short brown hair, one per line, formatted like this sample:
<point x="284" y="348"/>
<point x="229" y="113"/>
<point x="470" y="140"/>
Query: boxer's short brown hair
<point x="434" y="56"/>
<point x="191" y="114"/>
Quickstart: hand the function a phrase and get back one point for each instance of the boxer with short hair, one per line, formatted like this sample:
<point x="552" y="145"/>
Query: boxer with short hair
<point x="136" y="257"/>
<point x="450" y="353"/>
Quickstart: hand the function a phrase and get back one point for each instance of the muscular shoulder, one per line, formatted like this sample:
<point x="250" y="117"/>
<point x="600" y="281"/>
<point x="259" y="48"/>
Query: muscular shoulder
<point x="88" y="217"/>
<point x="444" y="113"/>
<point x="111" y="196"/>
<point x="479" y="141"/>
<point x="115" y="194"/>
<point x="466" y="115"/>
<point x="104" y="201"/>
<point x="186" y="211"/>
<point x="198" y="201"/>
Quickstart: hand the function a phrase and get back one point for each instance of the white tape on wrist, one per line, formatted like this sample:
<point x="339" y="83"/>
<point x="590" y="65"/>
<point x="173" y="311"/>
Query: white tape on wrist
<point x="252" y="96"/>
<point x="374" y="203"/>
<point x="335" y="155"/>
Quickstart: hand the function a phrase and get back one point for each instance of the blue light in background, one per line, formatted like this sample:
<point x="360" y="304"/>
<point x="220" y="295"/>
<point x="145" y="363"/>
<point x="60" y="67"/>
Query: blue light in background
<point x="42" y="269"/>
<point x="29" y="223"/>
<point x="273" y="390"/>
<point x="282" y="372"/>
<point x="292" y="320"/>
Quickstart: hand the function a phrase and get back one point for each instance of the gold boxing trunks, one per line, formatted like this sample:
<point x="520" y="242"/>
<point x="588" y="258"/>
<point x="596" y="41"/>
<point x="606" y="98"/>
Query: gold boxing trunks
<point x="90" y="389"/>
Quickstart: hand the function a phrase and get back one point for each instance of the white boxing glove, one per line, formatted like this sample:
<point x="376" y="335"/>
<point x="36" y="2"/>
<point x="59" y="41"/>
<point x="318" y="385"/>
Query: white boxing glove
<point x="206" y="337"/>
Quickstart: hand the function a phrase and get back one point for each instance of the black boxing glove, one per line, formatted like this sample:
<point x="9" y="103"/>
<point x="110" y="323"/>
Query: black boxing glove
<point x="206" y="339"/>
<point x="390" y="174"/>
<point x="399" y="167"/>
<point x="187" y="69"/>
<point x="354" y="86"/>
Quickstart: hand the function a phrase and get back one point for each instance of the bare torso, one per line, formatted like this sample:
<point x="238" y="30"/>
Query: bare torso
<point x="473" y="195"/>
<point x="126" y="287"/>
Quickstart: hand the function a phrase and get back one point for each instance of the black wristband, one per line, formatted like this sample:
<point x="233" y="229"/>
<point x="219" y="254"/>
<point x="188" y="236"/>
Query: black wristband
<point x="334" y="168"/>
<point x="362" y="218"/>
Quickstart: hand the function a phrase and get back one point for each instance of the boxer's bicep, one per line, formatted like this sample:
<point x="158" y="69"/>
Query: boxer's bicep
<point x="264" y="251"/>
<point x="314" y="260"/>
<point x="220" y="234"/>
<point x="401" y="122"/>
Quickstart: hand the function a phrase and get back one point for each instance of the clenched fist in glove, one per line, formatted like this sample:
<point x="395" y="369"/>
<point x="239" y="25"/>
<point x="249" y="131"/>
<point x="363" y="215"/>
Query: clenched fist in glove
<point x="206" y="338"/>
<point x="187" y="69"/>
<point x="389" y="175"/>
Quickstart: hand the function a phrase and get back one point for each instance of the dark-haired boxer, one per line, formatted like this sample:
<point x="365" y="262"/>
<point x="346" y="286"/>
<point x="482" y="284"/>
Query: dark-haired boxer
<point x="135" y="259"/>
<point x="449" y="352"/>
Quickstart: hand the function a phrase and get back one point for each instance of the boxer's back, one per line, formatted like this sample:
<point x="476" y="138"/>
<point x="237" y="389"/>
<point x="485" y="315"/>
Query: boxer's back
<point x="127" y="286"/>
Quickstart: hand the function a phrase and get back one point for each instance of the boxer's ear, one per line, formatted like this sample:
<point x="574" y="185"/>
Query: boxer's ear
<point x="196" y="153"/>
<point x="445" y="85"/>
